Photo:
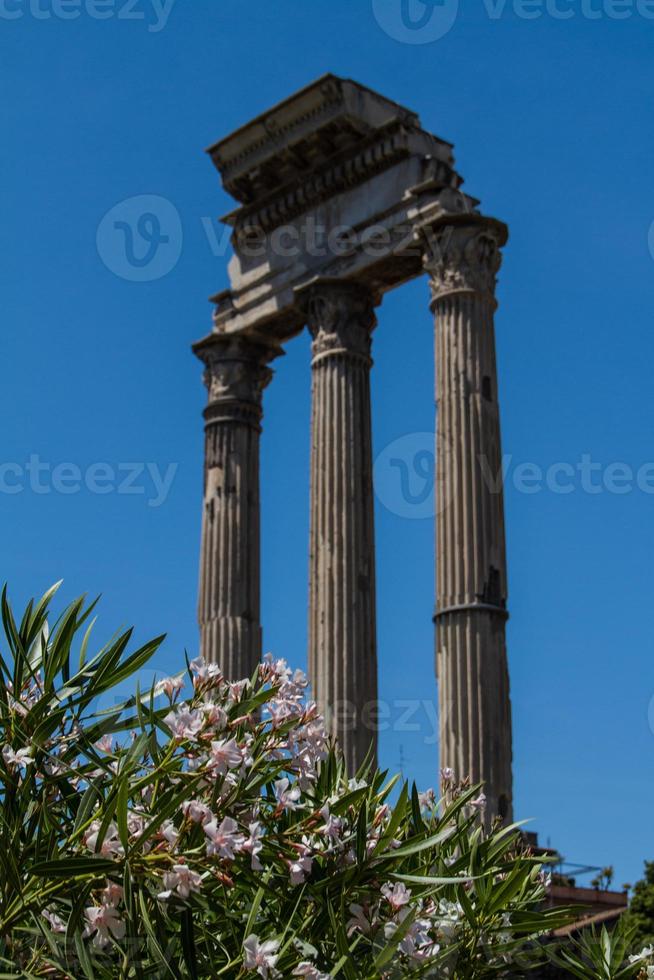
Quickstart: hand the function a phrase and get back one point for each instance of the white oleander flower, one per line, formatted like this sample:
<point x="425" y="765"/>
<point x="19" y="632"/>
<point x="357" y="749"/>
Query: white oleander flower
<point x="286" y="795"/>
<point x="185" y="722"/>
<point x="225" y="754"/>
<point x="261" y="956"/>
<point x="181" y="881"/>
<point x="56" y="923"/>
<point x="396" y="895"/>
<point x="103" y="923"/>
<point x="224" y="839"/>
<point x="17" y="760"/>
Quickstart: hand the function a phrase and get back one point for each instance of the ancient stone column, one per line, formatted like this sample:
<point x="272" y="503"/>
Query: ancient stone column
<point x="342" y="626"/>
<point x="462" y="260"/>
<point x="229" y="606"/>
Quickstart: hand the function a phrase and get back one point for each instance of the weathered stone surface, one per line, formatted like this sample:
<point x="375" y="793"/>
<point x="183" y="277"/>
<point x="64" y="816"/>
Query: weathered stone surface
<point x="229" y="605"/>
<point x="342" y="617"/>
<point x="474" y="704"/>
<point x="335" y="155"/>
<point x="279" y="146"/>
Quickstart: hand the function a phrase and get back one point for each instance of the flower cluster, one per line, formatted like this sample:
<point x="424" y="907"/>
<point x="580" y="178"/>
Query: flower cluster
<point x="250" y="755"/>
<point x="210" y="826"/>
<point x="644" y="960"/>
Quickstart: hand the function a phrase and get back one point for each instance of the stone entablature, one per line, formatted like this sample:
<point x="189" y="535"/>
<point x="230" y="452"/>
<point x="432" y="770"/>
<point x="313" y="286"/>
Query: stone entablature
<point x="334" y="155"/>
<point x="329" y="116"/>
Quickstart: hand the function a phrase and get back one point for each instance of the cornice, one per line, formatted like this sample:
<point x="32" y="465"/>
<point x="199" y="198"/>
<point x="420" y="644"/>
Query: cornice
<point x="342" y="174"/>
<point x="327" y="116"/>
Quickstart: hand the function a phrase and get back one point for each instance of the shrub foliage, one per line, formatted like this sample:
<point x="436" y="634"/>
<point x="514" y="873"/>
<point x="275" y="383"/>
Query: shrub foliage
<point x="208" y="829"/>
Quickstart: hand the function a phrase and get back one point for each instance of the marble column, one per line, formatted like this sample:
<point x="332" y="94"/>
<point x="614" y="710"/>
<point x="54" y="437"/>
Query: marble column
<point x="342" y="624"/>
<point x="462" y="260"/>
<point x="229" y="606"/>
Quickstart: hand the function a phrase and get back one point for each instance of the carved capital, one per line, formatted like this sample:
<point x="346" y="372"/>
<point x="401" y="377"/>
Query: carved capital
<point x="462" y="258"/>
<point x="340" y="317"/>
<point x="236" y="373"/>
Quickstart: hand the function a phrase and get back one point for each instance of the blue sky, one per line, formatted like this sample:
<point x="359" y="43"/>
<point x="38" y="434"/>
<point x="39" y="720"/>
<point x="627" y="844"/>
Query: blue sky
<point x="551" y="120"/>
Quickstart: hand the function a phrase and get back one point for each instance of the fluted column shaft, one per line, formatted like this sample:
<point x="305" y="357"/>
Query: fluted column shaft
<point x="342" y="624"/>
<point x="474" y="700"/>
<point x="229" y="604"/>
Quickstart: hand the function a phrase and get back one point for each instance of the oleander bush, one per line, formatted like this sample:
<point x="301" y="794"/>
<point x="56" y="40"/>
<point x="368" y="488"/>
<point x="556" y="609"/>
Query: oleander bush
<point x="597" y="954"/>
<point x="208" y="829"/>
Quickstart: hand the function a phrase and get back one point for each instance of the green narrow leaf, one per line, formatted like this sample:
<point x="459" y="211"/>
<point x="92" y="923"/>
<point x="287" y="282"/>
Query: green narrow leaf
<point x="122" y="800"/>
<point x="342" y="945"/>
<point x="423" y="845"/>
<point x="73" y="867"/>
<point x="188" y="944"/>
<point x="85" y="644"/>
<point x="396" y="819"/>
<point x="153" y="941"/>
<point x="362" y="833"/>
<point x="254" y="911"/>
<point x="415" y="808"/>
<point x="91" y="796"/>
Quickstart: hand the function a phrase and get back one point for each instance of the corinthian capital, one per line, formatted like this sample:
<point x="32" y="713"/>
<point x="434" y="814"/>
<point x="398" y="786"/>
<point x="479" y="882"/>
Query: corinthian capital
<point x="464" y="257"/>
<point x="340" y="317"/>
<point x="236" y="370"/>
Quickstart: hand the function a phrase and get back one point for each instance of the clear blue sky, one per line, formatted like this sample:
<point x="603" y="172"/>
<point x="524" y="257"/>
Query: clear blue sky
<point x="552" y="124"/>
